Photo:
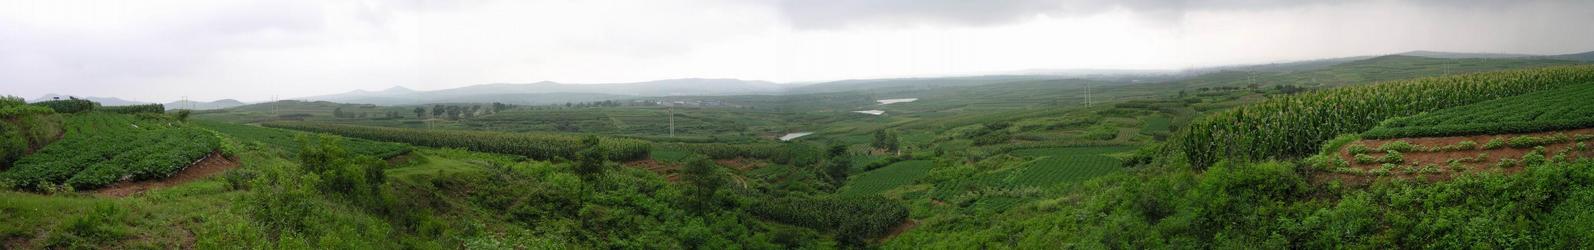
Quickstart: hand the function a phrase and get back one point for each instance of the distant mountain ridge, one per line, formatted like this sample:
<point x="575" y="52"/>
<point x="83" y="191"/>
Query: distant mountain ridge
<point x="552" y="92"/>
<point x="546" y="92"/>
<point x="1461" y="55"/>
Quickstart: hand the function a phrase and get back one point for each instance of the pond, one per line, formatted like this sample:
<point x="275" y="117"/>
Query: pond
<point x="792" y="136"/>
<point x="900" y="100"/>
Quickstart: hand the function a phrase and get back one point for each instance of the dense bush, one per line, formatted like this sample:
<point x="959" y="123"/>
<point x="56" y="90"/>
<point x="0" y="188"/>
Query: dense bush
<point x="24" y="128"/>
<point x="71" y="105"/>
<point x="134" y="109"/>
<point x="1270" y="206"/>
<point x="11" y="106"/>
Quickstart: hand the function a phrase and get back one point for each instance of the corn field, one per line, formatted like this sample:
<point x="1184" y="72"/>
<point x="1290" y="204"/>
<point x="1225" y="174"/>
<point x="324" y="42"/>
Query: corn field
<point x="1294" y="125"/>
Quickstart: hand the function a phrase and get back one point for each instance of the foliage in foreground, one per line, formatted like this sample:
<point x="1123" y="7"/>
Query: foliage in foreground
<point x="1270" y="205"/>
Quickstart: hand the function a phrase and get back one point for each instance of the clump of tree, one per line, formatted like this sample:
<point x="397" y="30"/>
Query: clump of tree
<point x="886" y="139"/>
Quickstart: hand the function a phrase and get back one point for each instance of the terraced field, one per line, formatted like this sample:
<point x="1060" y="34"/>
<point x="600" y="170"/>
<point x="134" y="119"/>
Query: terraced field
<point x="1570" y="107"/>
<point x="886" y="178"/>
<point x="104" y="148"/>
<point x="288" y="141"/>
<point x="1064" y="165"/>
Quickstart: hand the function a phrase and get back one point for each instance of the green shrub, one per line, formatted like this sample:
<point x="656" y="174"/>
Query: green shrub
<point x="1533" y="158"/>
<point x="1531" y="141"/>
<point x="1481" y="157"/>
<point x="70" y="105"/>
<point x="1409" y="169"/>
<point x="1349" y="170"/>
<point x="1325" y="162"/>
<point x="1428" y="169"/>
<point x="1358" y="149"/>
<point x="1332" y="146"/>
<point x="1397" y="146"/>
<point x="1466" y="145"/>
<point x="1392" y="157"/>
<point x="1365" y="159"/>
<point x="1506" y="163"/>
<point x="1494" y="144"/>
<point x="1382" y="170"/>
<point x="154" y="108"/>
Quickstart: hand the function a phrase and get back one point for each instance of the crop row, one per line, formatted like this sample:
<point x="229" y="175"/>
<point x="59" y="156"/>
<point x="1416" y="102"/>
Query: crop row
<point x="133" y="109"/>
<point x="1559" y="109"/>
<point x="532" y="145"/>
<point x="796" y="154"/>
<point x="288" y="140"/>
<point x="854" y="220"/>
<point x="102" y="148"/>
<point x="1296" y="125"/>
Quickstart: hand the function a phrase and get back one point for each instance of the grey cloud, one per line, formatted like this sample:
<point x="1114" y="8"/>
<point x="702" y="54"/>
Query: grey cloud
<point x="100" y="54"/>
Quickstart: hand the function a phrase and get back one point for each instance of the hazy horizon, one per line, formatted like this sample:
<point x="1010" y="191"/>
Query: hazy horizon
<point x="254" y="50"/>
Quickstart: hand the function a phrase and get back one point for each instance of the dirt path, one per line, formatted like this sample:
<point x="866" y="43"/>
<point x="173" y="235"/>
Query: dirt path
<point x="899" y="229"/>
<point x="211" y="165"/>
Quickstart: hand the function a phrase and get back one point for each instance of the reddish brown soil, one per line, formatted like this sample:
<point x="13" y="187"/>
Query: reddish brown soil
<point x="666" y="170"/>
<point x="741" y="165"/>
<point x="899" y="229"/>
<point x="15" y="243"/>
<point x="1440" y="159"/>
<point x="211" y="165"/>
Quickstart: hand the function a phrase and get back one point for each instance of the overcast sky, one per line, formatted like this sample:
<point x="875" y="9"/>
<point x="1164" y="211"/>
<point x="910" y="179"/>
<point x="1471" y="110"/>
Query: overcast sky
<point x="160" y="50"/>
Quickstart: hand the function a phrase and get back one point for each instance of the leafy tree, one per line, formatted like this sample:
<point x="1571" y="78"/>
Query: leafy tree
<point x="885" y="139"/>
<point x="703" y="178"/>
<point x="838" y="165"/>
<point x="589" y="162"/>
<point x="419" y="112"/>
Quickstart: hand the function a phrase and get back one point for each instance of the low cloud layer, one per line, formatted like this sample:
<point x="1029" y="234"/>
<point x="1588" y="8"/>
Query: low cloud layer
<point x="163" y="50"/>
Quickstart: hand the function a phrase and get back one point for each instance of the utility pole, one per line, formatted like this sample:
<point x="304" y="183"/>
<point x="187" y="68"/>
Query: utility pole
<point x="1087" y="95"/>
<point x="672" y="120"/>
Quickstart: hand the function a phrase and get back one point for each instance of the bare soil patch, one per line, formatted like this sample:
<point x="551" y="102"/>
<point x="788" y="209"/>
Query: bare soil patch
<point x="666" y="170"/>
<point x="211" y="165"/>
<point x="899" y="229"/>
<point x="1441" y="159"/>
<point x="741" y="165"/>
